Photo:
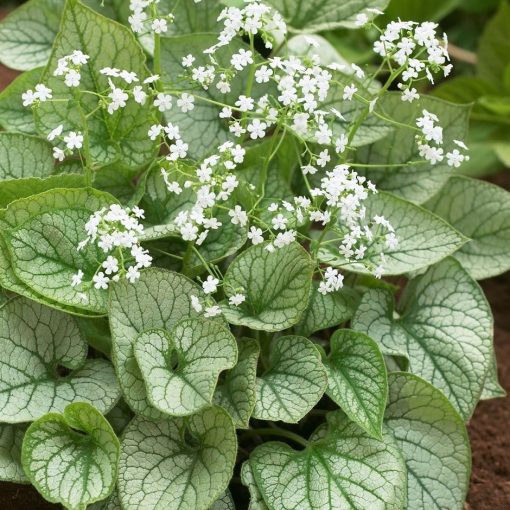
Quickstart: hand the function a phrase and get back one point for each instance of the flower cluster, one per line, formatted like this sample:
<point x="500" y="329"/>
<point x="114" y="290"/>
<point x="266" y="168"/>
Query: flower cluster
<point x="70" y="67"/>
<point x="207" y="305"/>
<point x="144" y="17"/>
<point x="115" y="230"/>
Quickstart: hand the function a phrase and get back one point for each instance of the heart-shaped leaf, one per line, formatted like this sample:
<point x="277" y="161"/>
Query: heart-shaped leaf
<point x="11" y="438"/>
<point x="38" y="343"/>
<point x="357" y="379"/>
<point x="72" y="458"/>
<point x="433" y="441"/>
<point x="159" y="300"/>
<point x="181" y="368"/>
<point x="276" y="285"/>
<point x="342" y="467"/>
<point x="177" y="463"/>
<point x="444" y="327"/>
<point x="293" y="384"/>
<point x="236" y="393"/>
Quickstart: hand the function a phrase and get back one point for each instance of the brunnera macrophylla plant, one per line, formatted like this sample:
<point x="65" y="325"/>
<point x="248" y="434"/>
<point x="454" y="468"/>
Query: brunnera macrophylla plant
<point x="203" y="206"/>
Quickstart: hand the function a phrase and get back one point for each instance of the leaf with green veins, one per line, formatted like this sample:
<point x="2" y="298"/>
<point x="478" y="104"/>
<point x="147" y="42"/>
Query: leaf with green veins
<point x="481" y="211"/>
<point x="40" y="342"/>
<point x="236" y="393"/>
<point x="72" y="458"/>
<point x="414" y="182"/>
<point x="111" y="503"/>
<point x="357" y="379"/>
<point x="42" y="233"/>
<point x="342" y="467"/>
<point x="276" y="284"/>
<point x="433" y="440"/>
<point x="423" y="237"/>
<point x="320" y="15"/>
<point x="159" y="300"/>
<point x="24" y="156"/>
<point x="121" y="182"/>
<point x="225" y="502"/>
<point x="294" y="382"/>
<point x="14" y="189"/>
<point x="327" y="310"/>
<point x="248" y="480"/>
<point x="177" y="463"/>
<point x="13" y="115"/>
<point x="444" y="328"/>
<point x="11" y="438"/>
<point x="120" y="137"/>
<point x="491" y="386"/>
<point x="180" y="368"/>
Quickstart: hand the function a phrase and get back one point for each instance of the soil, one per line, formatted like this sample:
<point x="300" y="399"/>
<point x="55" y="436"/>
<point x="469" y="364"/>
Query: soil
<point x="489" y="429"/>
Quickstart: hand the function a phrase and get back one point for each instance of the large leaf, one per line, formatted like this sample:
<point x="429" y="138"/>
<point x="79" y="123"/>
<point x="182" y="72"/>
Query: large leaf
<point x="417" y="10"/>
<point x="276" y="285"/>
<point x="72" y="458"/>
<point x="357" y="379"/>
<point x="443" y="325"/>
<point x="433" y="441"/>
<point x="42" y="234"/>
<point x="11" y="437"/>
<point x="39" y="346"/>
<point x="342" y="468"/>
<point x="159" y="300"/>
<point x="423" y="237"/>
<point x="319" y="15"/>
<point x="177" y="463"/>
<point x="181" y="368"/>
<point x="24" y="156"/>
<point x="481" y="211"/>
<point x="236" y="393"/>
<point x="412" y="182"/>
<point x="122" y="136"/>
<point x="294" y="382"/>
<point x="256" y="499"/>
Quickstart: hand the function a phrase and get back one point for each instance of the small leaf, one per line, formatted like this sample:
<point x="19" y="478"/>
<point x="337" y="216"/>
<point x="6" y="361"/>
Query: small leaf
<point x="11" y="437"/>
<point x="40" y="342"/>
<point x="181" y="368"/>
<point x="177" y="463"/>
<point x="433" y="441"/>
<point x="294" y="382"/>
<point x="276" y="285"/>
<point x="236" y="394"/>
<point x="342" y="467"/>
<point x="72" y="458"/>
<point x="159" y="300"/>
<point x="357" y="379"/>
<point x="256" y="499"/>
<point x="444" y="327"/>
<point x="24" y="156"/>
<point x="423" y="237"/>
<point x="481" y="211"/>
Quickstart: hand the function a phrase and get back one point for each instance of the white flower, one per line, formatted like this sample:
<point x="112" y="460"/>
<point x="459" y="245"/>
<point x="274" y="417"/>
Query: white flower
<point x="159" y="26"/>
<point x="139" y="95"/>
<point x="244" y="103"/>
<point x="72" y="78"/>
<point x="188" y="60"/>
<point x="212" y="311"/>
<point x="410" y="94"/>
<point x="163" y="102"/>
<point x="74" y="140"/>
<point x="195" y="303"/>
<point x="77" y="278"/>
<point x="341" y="143"/>
<point x="118" y="100"/>
<point x="186" y="102"/>
<point x="263" y="74"/>
<point x="189" y="232"/>
<point x="238" y="216"/>
<point x="237" y="299"/>
<point x="56" y="132"/>
<point x="242" y="59"/>
<point x="455" y="158"/>
<point x="255" y="235"/>
<point x="111" y="265"/>
<point x="257" y="129"/>
<point x="100" y="281"/>
<point x="279" y="222"/>
<point x="58" y="154"/>
<point x="210" y="285"/>
<point x="361" y="20"/>
<point x="132" y="274"/>
<point x="349" y="92"/>
<point x="155" y="131"/>
<point x="42" y="92"/>
<point x="28" y="98"/>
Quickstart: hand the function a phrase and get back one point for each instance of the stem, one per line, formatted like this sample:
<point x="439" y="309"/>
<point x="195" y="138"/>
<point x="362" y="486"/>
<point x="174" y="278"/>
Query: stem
<point x="276" y="432"/>
<point x="89" y="165"/>
<point x="186" y="261"/>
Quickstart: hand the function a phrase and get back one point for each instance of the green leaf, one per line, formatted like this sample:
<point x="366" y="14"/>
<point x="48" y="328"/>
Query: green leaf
<point x="357" y="379"/>
<point x="342" y="468"/>
<point x="121" y="182"/>
<point x="225" y="502"/>
<point x="443" y="325"/>
<point x="327" y="310"/>
<point x="11" y="437"/>
<point x="494" y="46"/>
<point x="491" y="387"/>
<point x="42" y="234"/>
<point x="481" y="211"/>
<point x="177" y="463"/>
<point x="418" y="10"/>
<point x="248" y="479"/>
<point x="14" y="189"/>
<point x="13" y="115"/>
<point x="317" y="15"/>
<point x="423" y="237"/>
<point x="111" y="503"/>
<point x="294" y="382"/>
<point x="24" y="156"/>
<point x="433" y="441"/>
<point x="27" y="34"/>
<point x="119" y="137"/>
<point x="41" y="344"/>
<point x="72" y="458"/>
<point x="414" y="182"/>
<point x="181" y="368"/>
<point x="236" y="393"/>
<point x="276" y="284"/>
<point x="159" y="300"/>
